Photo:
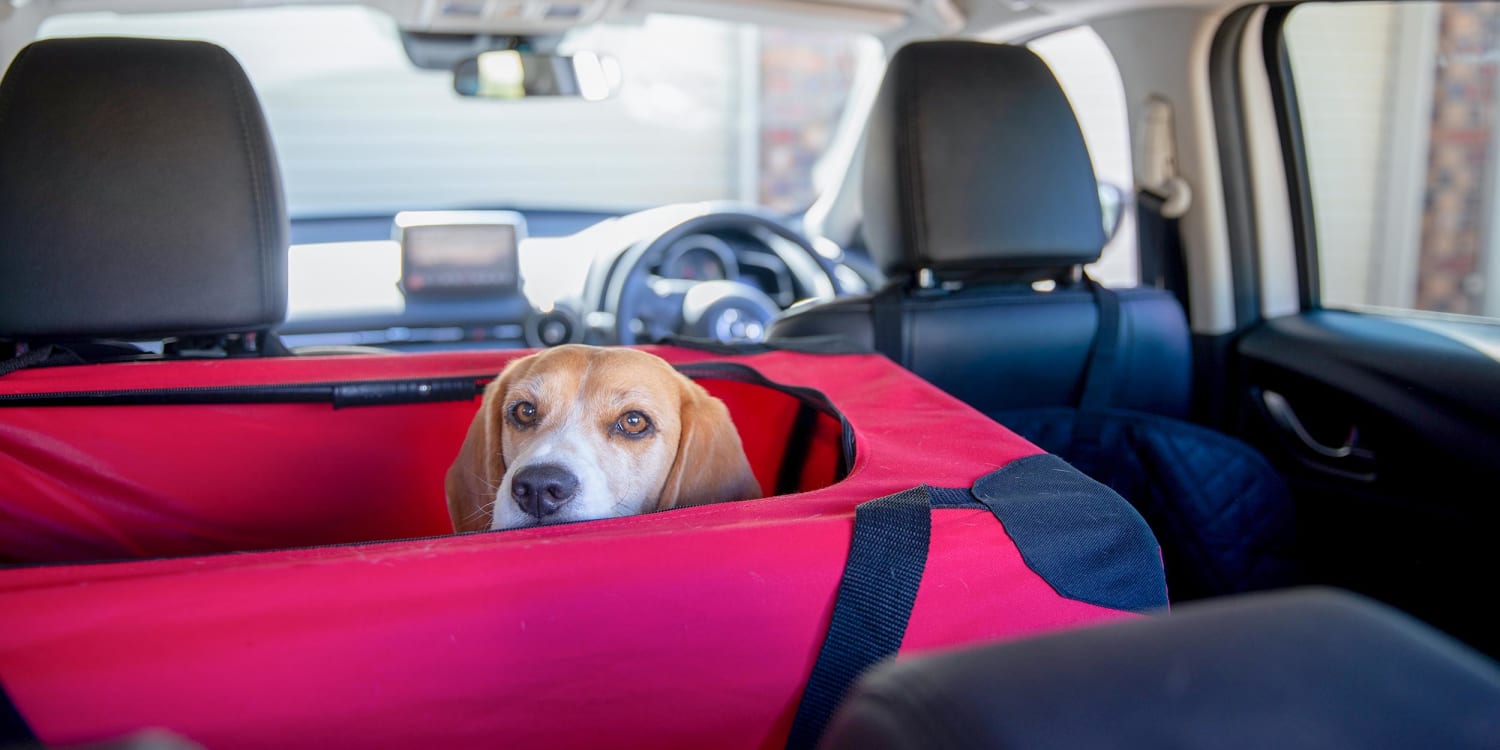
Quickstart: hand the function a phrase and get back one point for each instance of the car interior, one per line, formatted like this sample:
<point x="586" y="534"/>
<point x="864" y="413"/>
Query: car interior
<point x="1114" y="406"/>
<point x="1311" y="466"/>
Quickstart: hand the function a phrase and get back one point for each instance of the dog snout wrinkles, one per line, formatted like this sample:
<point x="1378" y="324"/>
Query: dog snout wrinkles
<point x="542" y="489"/>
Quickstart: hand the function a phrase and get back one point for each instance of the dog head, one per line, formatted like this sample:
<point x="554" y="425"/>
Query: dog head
<point x="581" y="432"/>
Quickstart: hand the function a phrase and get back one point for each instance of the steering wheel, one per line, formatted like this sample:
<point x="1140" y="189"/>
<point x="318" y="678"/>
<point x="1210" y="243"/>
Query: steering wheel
<point x="647" y="307"/>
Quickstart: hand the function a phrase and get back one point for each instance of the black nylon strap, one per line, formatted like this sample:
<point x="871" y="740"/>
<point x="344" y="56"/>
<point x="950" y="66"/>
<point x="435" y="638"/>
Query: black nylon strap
<point x="1098" y="384"/>
<point x="13" y="727"/>
<point x="886" y="558"/>
<point x="885" y="313"/>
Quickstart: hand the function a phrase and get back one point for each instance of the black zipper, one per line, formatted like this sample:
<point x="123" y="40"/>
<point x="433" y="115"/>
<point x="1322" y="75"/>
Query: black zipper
<point x="346" y="394"/>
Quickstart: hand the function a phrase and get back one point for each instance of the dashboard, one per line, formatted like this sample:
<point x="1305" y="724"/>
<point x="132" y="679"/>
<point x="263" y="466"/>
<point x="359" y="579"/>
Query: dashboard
<point x="427" y="280"/>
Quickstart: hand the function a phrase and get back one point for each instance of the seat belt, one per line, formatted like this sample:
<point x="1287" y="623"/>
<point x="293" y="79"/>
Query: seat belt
<point x="1159" y="238"/>
<point x="1162" y="198"/>
<point x="886" y="317"/>
<point x="1100" y="376"/>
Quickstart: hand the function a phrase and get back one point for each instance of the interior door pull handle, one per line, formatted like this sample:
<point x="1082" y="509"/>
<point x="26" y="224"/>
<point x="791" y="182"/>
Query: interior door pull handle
<point x="1282" y="412"/>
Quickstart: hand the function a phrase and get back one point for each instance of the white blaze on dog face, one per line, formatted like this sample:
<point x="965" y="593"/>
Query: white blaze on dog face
<point x="580" y="432"/>
<point x="584" y="435"/>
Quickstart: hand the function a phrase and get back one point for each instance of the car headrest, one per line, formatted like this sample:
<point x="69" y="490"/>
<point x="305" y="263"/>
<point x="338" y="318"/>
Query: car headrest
<point x="140" y="194"/>
<point x="1309" y="667"/>
<point x="974" y="161"/>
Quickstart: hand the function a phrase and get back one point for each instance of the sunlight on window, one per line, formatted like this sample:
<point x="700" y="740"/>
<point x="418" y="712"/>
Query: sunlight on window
<point x="1088" y="74"/>
<point x="708" y="110"/>
<point x="1404" y="197"/>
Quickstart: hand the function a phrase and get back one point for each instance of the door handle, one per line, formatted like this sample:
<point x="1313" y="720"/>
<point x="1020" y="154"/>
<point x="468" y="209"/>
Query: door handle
<point x="1282" y="412"/>
<point x="1346" y="459"/>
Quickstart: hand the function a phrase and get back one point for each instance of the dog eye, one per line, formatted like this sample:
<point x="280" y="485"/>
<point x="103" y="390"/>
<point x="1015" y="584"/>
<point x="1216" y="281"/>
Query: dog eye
<point x="633" y="423"/>
<point x="524" y="413"/>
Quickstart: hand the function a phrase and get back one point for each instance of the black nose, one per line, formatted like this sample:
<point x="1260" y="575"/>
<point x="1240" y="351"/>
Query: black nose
<point x="541" y="489"/>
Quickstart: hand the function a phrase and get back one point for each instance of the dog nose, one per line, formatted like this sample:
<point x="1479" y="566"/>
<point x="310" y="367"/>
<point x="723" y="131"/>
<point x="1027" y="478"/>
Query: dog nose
<point x="540" y="490"/>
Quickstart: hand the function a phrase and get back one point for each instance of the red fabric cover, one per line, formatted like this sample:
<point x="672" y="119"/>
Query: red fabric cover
<point x="690" y="628"/>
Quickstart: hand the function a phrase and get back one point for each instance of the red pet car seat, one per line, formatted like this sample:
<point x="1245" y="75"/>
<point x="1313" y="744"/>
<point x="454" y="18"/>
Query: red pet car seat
<point x="256" y="552"/>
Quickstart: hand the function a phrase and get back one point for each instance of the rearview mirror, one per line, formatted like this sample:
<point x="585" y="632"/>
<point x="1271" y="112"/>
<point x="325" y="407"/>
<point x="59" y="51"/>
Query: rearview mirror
<point x="513" y="74"/>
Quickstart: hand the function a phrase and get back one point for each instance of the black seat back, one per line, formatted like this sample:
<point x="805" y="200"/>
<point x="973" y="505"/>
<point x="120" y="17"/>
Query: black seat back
<point x="981" y="207"/>
<point x="140" y="197"/>
<point x="1309" y="668"/>
<point x="977" y="185"/>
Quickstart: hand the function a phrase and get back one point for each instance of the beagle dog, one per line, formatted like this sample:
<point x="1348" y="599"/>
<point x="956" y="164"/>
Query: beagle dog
<point x="581" y="432"/>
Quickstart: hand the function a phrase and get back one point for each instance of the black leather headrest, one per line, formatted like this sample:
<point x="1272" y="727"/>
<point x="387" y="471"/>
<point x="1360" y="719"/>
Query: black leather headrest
<point x="139" y="194"/>
<point x="975" y="161"/>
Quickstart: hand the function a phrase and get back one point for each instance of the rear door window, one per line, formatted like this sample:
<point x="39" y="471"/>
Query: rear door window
<point x="1399" y="108"/>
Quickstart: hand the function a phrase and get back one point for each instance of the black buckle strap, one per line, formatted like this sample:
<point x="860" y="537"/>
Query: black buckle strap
<point x="887" y="556"/>
<point x="1098" y="384"/>
<point x="13" y="727"/>
<point x="1079" y="536"/>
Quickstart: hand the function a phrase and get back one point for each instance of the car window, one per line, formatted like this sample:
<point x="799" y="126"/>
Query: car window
<point x="1087" y="72"/>
<point x="708" y="110"/>
<point x="1401" y="133"/>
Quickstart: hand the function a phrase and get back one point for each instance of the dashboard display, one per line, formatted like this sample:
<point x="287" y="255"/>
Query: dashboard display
<point x="700" y="257"/>
<point x="699" y="264"/>
<point x="459" y="252"/>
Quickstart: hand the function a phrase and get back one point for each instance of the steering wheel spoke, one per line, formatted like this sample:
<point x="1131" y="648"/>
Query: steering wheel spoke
<point x="648" y="307"/>
<point x="729" y="312"/>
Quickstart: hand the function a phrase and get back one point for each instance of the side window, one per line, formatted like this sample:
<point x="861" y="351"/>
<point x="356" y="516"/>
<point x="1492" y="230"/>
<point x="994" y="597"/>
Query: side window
<point x="1089" y="76"/>
<point x="1400" y="116"/>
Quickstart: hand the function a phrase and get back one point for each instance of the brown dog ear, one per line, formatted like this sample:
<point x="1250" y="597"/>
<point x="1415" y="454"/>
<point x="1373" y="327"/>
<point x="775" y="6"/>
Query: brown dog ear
<point x="710" y="466"/>
<point x="476" y="473"/>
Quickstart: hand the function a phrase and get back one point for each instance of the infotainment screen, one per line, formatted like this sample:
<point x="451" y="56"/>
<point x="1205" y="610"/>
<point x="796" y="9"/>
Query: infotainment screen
<point x="459" y="252"/>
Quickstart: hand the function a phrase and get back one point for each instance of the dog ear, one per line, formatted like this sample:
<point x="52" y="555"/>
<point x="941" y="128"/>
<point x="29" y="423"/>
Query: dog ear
<point x="710" y="466"/>
<point x="476" y="473"/>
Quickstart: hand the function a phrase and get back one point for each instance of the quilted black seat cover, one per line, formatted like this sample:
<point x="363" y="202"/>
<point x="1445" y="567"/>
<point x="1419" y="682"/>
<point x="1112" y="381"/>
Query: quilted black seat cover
<point x="1224" y="516"/>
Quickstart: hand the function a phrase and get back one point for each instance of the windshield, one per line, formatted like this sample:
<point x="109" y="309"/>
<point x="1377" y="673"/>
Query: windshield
<point x="708" y="110"/>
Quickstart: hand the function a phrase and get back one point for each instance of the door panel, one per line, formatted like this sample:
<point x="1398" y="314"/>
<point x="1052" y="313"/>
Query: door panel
<point x="1389" y="432"/>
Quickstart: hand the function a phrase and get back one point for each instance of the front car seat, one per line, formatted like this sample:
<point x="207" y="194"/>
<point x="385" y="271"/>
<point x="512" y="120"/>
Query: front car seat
<point x="140" y="200"/>
<point x="981" y="207"/>
<point x="1304" y="668"/>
